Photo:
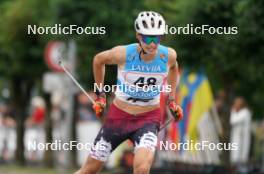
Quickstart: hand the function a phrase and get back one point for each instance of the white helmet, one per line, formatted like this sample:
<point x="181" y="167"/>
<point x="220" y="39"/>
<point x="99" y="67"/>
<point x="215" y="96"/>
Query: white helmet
<point x="150" y="23"/>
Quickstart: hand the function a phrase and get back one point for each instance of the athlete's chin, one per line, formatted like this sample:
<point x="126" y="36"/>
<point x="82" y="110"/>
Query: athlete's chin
<point x="152" y="51"/>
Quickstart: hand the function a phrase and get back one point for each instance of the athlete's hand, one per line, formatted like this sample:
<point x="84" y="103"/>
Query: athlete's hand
<point x="99" y="105"/>
<point x="175" y="110"/>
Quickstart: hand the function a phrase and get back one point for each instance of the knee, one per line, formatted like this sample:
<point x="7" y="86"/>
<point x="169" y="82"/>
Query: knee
<point x="142" y="161"/>
<point x="89" y="168"/>
<point x="86" y="170"/>
<point x="143" y="168"/>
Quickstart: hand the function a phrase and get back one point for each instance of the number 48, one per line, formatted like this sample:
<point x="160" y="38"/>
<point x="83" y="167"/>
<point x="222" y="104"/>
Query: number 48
<point x="149" y="81"/>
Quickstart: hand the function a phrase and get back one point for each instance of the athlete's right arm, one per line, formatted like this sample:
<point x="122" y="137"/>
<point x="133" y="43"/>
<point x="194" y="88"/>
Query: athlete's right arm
<point x="116" y="55"/>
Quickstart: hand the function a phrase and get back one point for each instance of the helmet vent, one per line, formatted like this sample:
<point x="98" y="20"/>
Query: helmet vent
<point x="137" y="27"/>
<point x="144" y="24"/>
<point x="152" y="22"/>
<point x="160" y="23"/>
<point x="147" y="14"/>
<point x="153" y="14"/>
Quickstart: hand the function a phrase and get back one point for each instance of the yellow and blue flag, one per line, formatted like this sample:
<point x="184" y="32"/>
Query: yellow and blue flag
<point x="196" y="98"/>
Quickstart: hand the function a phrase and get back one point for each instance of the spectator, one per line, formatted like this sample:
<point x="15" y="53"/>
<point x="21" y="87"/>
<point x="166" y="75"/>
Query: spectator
<point x="37" y="117"/>
<point x="35" y="130"/>
<point x="223" y="104"/>
<point x="240" y="131"/>
<point x="58" y="115"/>
<point x="87" y="124"/>
<point x="7" y="134"/>
<point x="85" y="110"/>
<point x="2" y="128"/>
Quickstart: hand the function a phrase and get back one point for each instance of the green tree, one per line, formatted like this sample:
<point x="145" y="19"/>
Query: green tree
<point x="118" y="20"/>
<point x="232" y="62"/>
<point x="21" y="55"/>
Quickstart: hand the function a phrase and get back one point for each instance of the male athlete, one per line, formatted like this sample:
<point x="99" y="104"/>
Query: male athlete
<point x="134" y="113"/>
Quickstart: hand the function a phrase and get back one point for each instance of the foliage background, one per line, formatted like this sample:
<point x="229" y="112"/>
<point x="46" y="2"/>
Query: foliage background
<point x="232" y="62"/>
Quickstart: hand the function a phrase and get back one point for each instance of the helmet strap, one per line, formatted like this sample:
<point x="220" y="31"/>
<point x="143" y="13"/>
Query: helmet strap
<point x="141" y="51"/>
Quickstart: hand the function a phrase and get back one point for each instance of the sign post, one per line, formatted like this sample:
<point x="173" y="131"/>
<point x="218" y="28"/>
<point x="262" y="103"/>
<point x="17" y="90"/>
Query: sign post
<point x="58" y="84"/>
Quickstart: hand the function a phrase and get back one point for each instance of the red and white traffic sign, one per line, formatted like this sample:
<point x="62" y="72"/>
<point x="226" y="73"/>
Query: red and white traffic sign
<point x="53" y="52"/>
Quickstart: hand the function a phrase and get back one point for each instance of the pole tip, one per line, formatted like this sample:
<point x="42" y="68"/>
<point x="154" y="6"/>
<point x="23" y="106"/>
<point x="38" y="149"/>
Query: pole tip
<point x="59" y="62"/>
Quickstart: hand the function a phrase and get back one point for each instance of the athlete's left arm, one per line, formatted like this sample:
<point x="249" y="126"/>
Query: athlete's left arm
<point x="175" y="109"/>
<point x="173" y="72"/>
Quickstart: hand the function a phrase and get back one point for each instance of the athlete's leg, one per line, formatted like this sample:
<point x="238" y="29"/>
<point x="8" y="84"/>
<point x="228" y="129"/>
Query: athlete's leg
<point x="106" y="141"/>
<point x="91" y="166"/>
<point x="143" y="160"/>
<point x="145" y="140"/>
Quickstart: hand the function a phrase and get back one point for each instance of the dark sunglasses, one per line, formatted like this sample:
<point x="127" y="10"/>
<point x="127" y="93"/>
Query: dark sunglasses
<point x="147" y="39"/>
